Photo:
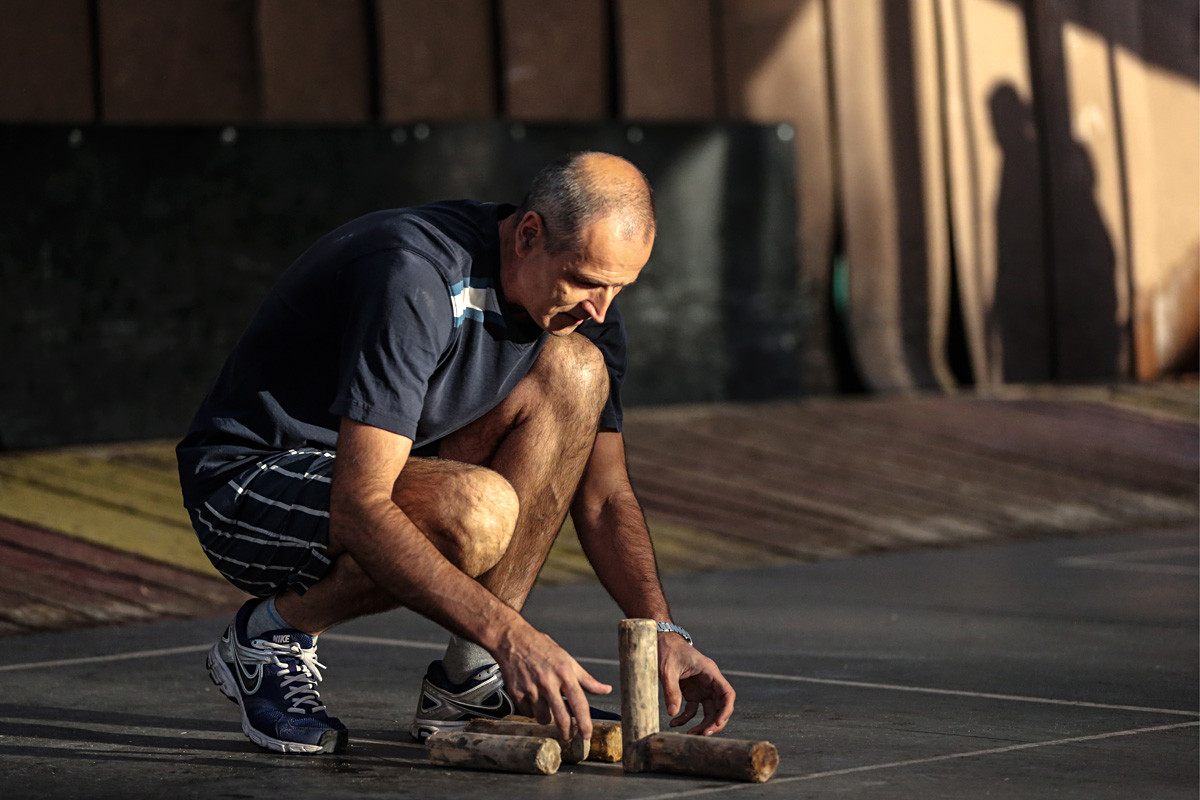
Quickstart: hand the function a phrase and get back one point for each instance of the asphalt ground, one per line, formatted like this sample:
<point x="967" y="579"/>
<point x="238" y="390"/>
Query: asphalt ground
<point x="1061" y="667"/>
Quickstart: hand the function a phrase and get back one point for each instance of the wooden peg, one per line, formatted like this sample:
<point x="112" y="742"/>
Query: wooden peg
<point x="637" y="647"/>
<point x="574" y="749"/>
<point x="606" y="739"/>
<point x="525" y="754"/>
<point x="731" y="759"/>
<point x="606" y="742"/>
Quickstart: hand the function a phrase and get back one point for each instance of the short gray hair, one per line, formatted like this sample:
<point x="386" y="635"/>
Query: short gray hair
<point x="568" y="195"/>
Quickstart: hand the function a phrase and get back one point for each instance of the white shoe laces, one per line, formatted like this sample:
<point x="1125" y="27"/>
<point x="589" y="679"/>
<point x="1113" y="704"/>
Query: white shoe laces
<point x="300" y="668"/>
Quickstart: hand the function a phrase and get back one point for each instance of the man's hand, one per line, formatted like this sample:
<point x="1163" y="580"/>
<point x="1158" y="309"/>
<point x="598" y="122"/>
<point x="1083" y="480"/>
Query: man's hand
<point x="687" y="675"/>
<point x="546" y="682"/>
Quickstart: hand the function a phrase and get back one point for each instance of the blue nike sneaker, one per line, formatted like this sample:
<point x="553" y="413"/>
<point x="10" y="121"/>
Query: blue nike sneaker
<point x="446" y="706"/>
<point x="273" y="678"/>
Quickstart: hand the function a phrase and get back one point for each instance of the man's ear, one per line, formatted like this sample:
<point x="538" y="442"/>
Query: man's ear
<point x="528" y="230"/>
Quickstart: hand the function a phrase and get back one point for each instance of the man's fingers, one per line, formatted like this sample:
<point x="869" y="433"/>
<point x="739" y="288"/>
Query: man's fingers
<point x="562" y="717"/>
<point x="671" y="693"/>
<point x="717" y="711"/>
<point x="590" y="684"/>
<point x="593" y="686"/>
<point x="689" y="711"/>
<point x="711" y="723"/>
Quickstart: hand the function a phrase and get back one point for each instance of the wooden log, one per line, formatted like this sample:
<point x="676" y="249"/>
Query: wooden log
<point x="574" y="748"/>
<point x="731" y="759"/>
<point x="606" y="742"/>
<point x="524" y="754"/>
<point x="637" y="647"/>
<point x="606" y="739"/>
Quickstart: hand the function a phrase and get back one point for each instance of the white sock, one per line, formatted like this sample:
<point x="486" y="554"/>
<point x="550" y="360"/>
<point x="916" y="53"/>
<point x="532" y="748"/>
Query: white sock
<point x="464" y="658"/>
<point x="264" y="618"/>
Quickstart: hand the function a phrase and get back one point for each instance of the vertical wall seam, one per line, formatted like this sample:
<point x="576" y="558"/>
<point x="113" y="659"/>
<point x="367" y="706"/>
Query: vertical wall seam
<point x="616" y="81"/>
<point x="97" y="62"/>
<point x="499" y="60"/>
<point x="374" y="76"/>
<point x="1128" y="353"/>
<point x="1038" y="99"/>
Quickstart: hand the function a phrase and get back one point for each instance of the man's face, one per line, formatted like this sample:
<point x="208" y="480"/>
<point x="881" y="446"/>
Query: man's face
<point x="561" y="291"/>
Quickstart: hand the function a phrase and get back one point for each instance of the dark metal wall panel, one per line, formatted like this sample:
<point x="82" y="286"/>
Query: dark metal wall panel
<point x="995" y="175"/>
<point x="186" y="61"/>
<point x="437" y="60"/>
<point x="667" y="69"/>
<point x="46" y="61"/>
<point x="1088" y="268"/>
<point x="557" y="59"/>
<point x="314" y="60"/>
<point x="774" y="70"/>
<point x="132" y="258"/>
<point x="892" y="192"/>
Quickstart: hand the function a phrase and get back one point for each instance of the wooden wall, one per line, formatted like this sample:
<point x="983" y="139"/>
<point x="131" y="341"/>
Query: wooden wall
<point x="1017" y="178"/>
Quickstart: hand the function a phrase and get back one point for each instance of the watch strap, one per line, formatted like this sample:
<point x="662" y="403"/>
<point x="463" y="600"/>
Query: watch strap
<point x="671" y="627"/>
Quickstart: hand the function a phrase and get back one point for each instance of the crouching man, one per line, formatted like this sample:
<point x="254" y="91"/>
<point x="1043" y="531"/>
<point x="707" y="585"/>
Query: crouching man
<point x="409" y="417"/>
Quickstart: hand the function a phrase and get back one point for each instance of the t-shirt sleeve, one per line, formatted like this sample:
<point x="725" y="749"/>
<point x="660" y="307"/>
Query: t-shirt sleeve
<point x="398" y="324"/>
<point x="609" y="337"/>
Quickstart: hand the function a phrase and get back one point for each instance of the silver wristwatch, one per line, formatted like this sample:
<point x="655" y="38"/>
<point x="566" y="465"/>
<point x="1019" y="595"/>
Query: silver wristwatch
<point x="671" y="627"/>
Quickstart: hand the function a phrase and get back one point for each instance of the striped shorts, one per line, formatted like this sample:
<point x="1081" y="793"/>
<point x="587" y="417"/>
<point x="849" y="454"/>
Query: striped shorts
<point x="266" y="529"/>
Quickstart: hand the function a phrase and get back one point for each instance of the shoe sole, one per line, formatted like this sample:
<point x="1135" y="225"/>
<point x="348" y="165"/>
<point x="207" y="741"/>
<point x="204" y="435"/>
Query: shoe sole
<point x="218" y="672"/>
<point x="422" y="729"/>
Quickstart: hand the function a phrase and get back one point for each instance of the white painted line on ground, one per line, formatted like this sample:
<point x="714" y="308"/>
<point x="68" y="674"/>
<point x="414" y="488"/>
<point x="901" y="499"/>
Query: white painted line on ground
<point x="915" y="761"/>
<point x="199" y="648"/>
<point x="1136" y="561"/>
<point x="960" y="693"/>
<point x="1151" y="569"/>
<point x="416" y="645"/>
<point x="71" y="662"/>
<point x="894" y="687"/>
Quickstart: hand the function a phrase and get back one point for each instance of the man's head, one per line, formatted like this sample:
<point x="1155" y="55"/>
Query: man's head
<point x="584" y="231"/>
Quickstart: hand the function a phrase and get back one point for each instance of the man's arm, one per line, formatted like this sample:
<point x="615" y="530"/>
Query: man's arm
<point x="612" y="531"/>
<point x="400" y="559"/>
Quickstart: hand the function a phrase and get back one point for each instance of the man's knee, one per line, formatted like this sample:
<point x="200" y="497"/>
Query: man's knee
<point x="478" y="513"/>
<point x="572" y="369"/>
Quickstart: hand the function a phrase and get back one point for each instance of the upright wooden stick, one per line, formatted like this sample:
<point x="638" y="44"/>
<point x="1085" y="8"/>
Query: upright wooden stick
<point x="637" y="647"/>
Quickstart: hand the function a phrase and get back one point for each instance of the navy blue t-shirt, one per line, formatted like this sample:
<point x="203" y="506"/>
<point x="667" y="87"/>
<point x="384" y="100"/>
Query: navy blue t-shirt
<point x="396" y="319"/>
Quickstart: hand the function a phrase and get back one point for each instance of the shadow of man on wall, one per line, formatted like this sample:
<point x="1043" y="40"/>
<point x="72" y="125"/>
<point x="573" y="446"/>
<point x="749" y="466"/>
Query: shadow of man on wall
<point x="1059" y="321"/>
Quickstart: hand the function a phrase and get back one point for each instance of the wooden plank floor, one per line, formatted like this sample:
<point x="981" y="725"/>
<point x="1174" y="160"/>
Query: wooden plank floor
<point x="98" y="535"/>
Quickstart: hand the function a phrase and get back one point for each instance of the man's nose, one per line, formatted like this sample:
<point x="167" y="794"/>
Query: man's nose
<point x="597" y="306"/>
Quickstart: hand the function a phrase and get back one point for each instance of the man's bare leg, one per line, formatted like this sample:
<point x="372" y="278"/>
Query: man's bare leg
<point x="551" y="423"/>
<point x="467" y="512"/>
<point x="539" y="439"/>
<point x="536" y="443"/>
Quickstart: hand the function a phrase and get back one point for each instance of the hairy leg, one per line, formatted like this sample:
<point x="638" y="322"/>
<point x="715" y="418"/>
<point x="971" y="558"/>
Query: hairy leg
<point x="494" y="501"/>
<point x="539" y="438"/>
<point x="466" y="511"/>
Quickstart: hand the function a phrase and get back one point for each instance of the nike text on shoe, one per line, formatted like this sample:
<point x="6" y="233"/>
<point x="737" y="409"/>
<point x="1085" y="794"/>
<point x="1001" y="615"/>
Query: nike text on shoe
<point x="445" y="706"/>
<point x="273" y="679"/>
